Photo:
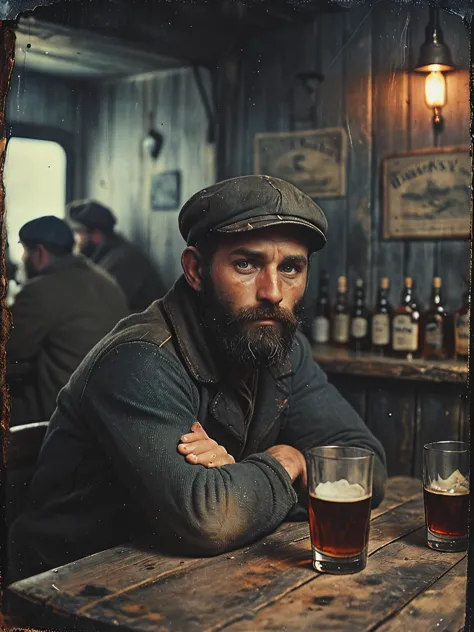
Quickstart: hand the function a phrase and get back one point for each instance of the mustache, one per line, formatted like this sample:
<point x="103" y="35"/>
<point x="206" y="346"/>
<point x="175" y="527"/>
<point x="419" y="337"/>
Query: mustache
<point x="278" y="314"/>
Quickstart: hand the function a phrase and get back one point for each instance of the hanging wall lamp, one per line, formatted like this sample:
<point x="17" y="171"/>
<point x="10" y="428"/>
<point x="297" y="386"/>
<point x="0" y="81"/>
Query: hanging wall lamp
<point x="435" y="59"/>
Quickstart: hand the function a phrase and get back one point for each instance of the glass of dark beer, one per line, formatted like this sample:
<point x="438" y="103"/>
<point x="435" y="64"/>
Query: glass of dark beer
<point x="339" y="496"/>
<point x="446" y="494"/>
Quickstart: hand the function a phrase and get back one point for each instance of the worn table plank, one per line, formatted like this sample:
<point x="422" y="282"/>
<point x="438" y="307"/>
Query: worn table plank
<point x="399" y="490"/>
<point x="343" y="361"/>
<point x="448" y="593"/>
<point x="357" y="603"/>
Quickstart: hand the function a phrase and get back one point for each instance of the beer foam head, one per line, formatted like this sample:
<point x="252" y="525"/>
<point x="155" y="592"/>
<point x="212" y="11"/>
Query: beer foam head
<point x="456" y="483"/>
<point x="340" y="490"/>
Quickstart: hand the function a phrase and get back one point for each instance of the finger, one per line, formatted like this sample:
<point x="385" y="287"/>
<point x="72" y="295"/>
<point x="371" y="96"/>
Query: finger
<point x="198" y="447"/>
<point x="211" y="458"/>
<point x="199" y="435"/>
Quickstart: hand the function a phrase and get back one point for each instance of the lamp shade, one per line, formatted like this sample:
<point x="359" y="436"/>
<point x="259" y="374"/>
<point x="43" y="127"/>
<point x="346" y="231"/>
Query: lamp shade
<point x="434" y="53"/>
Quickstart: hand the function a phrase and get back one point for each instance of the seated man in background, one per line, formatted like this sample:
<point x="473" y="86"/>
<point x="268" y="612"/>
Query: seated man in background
<point x="124" y="455"/>
<point x="96" y="238"/>
<point x="66" y="306"/>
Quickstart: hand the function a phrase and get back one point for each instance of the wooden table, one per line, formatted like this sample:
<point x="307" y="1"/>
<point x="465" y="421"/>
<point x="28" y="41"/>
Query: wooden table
<point x="267" y="586"/>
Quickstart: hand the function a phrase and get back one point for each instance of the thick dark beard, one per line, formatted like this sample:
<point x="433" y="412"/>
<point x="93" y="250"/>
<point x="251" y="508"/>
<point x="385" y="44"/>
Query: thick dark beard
<point x="250" y="347"/>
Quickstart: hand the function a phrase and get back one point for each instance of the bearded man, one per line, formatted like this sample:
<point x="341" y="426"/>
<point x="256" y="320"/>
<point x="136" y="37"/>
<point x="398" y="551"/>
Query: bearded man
<point x="65" y="307"/>
<point x="188" y="424"/>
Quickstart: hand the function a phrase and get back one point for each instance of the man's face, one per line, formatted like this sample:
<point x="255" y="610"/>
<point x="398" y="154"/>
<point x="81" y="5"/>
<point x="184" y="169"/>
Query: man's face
<point x="84" y="244"/>
<point x="252" y="293"/>
<point x="30" y="262"/>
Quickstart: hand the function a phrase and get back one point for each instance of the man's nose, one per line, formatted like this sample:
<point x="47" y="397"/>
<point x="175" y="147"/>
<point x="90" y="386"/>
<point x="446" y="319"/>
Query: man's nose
<point x="269" y="287"/>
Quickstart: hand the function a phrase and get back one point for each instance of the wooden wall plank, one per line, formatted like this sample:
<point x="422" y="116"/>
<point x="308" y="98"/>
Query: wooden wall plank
<point x="390" y="114"/>
<point x="437" y="419"/>
<point x="358" y="125"/>
<point x="453" y="255"/>
<point x="331" y="114"/>
<point x="419" y="255"/>
<point x="391" y="417"/>
<point x="117" y="172"/>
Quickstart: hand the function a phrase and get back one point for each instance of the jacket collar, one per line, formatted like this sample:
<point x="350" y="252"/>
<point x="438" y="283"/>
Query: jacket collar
<point x="181" y="308"/>
<point x="60" y="263"/>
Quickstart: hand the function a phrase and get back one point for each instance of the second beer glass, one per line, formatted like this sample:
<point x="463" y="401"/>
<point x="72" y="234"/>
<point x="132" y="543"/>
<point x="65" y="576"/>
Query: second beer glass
<point x="340" y="494"/>
<point x="446" y="493"/>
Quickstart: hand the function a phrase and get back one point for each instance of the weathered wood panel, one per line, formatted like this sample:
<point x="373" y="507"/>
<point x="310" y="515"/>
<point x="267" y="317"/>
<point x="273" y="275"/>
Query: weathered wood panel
<point x="366" y="55"/>
<point x="391" y="417"/>
<point x="438" y="418"/>
<point x="117" y="172"/>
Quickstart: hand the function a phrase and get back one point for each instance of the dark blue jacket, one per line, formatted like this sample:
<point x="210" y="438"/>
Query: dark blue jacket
<point x="109" y="469"/>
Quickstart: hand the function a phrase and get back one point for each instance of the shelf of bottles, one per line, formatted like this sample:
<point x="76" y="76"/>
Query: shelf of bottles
<point x="401" y="341"/>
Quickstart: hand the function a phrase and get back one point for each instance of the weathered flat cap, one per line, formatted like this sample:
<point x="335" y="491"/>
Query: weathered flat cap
<point x="91" y="214"/>
<point x="249" y="203"/>
<point x="49" y="231"/>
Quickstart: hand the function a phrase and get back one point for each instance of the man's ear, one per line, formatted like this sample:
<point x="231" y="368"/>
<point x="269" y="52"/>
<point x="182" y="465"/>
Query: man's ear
<point x="192" y="264"/>
<point x="41" y="257"/>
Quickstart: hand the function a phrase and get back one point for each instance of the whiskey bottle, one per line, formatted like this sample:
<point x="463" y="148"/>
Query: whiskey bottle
<point x="340" y="325"/>
<point x="434" y="326"/>
<point x="406" y="325"/>
<point x="380" y="325"/>
<point x="461" y="329"/>
<point x="322" y="315"/>
<point x="359" y="331"/>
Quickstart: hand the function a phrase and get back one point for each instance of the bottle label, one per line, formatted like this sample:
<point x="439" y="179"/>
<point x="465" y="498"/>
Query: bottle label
<point x="434" y="335"/>
<point x="341" y="328"/>
<point x="462" y="334"/>
<point x="321" y="329"/>
<point x="381" y="329"/>
<point x="405" y="333"/>
<point x="359" y="327"/>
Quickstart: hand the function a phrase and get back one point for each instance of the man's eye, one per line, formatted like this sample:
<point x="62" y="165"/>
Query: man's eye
<point x="243" y="265"/>
<point x="289" y="269"/>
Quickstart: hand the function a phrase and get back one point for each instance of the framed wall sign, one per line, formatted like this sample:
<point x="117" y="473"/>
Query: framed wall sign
<point x="427" y="194"/>
<point x="165" y="191"/>
<point x="314" y="160"/>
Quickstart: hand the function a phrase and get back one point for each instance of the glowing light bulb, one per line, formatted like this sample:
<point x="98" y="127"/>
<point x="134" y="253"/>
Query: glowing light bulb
<point x="435" y="90"/>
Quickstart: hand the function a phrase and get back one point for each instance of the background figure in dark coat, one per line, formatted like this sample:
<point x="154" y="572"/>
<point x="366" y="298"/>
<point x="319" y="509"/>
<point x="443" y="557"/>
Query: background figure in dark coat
<point x="67" y="305"/>
<point x="93" y="225"/>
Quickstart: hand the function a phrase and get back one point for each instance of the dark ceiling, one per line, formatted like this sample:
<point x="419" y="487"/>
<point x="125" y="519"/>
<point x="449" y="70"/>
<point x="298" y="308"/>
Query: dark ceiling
<point x="193" y="31"/>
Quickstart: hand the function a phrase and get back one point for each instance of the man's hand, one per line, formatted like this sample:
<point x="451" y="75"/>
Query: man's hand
<point x="292" y="460"/>
<point x="200" y="449"/>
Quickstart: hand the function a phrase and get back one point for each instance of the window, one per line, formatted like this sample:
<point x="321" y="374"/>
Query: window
<point x="35" y="185"/>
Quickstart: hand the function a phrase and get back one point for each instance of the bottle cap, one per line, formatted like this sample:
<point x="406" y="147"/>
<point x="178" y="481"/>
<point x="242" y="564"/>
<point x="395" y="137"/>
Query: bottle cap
<point x="437" y="282"/>
<point x="384" y="283"/>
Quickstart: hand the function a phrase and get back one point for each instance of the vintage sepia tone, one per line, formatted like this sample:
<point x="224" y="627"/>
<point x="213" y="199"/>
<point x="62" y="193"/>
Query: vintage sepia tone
<point x="313" y="160"/>
<point x="273" y="297"/>
<point x="427" y="194"/>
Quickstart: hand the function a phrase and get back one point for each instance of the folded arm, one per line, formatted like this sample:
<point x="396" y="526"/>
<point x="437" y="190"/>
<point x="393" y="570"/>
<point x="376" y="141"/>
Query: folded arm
<point x="139" y="401"/>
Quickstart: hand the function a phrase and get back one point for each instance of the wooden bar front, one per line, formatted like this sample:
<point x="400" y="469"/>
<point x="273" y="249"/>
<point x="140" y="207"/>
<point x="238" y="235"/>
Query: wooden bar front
<point x="405" y="403"/>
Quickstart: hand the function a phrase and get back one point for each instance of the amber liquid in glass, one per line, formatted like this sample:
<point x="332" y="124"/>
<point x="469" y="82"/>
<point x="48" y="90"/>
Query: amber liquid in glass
<point x="339" y="528"/>
<point x="446" y="514"/>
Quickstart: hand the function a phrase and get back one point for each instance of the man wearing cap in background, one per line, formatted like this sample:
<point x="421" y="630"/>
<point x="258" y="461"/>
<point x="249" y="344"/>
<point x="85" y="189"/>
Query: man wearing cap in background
<point x="66" y="306"/>
<point x="93" y="225"/>
<point x="191" y="419"/>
